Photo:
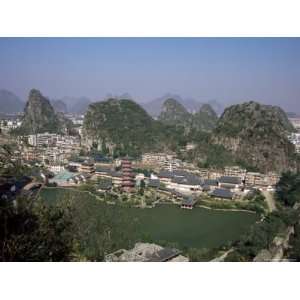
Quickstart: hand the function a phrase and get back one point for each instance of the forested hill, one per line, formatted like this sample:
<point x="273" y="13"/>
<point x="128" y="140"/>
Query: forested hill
<point x="121" y="127"/>
<point x="257" y="134"/>
<point x="175" y="114"/>
<point x="205" y="119"/>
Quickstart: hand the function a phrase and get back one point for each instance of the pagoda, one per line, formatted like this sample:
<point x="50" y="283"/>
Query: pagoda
<point x="127" y="176"/>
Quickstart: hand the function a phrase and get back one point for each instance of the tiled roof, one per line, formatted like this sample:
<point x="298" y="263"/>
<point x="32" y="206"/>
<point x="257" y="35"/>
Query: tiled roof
<point x="230" y="179"/>
<point x="165" y="174"/>
<point x="154" y="183"/>
<point x="188" y="200"/>
<point x="222" y="193"/>
<point x="103" y="169"/>
<point x="188" y="180"/>
<point x="212" y="182"/>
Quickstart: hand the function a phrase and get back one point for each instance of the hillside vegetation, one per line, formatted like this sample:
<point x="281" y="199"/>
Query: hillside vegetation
<point x="119" y="127"/>
<point x="257" y="134"/>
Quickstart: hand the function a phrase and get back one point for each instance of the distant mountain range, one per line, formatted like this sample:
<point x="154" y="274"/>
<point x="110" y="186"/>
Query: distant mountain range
<point x="250" y="134"/>
<point x="154" y="107"/>
<point x="59" y="106"/>
<point x="76" y="105"/>
<point x="10" y="103"/>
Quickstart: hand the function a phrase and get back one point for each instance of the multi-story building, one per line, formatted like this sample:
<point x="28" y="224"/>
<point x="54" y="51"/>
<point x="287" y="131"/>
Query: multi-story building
<point x="295" y="139"/>
<point x="9" y="123"/>
<point x="127" y="176"/>
<point x="156" y="158"/>
<point x="262" y="180"/>
<point x="295" y="122"/>
<point x="87" y="167"/>
<point x="41" y="139"/>
<point x="235" y="171"/>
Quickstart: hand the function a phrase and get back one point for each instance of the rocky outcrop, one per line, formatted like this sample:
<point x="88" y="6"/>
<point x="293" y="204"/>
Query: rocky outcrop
<point x="40" y="117"/>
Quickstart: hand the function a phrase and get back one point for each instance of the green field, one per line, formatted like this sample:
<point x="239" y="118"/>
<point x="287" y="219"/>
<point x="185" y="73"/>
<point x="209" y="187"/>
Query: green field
<point x="199" y="228"/>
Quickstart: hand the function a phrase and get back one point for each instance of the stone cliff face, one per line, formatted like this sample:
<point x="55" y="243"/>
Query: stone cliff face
<point x="40" y="117"/>
<point x="257" y="135"/>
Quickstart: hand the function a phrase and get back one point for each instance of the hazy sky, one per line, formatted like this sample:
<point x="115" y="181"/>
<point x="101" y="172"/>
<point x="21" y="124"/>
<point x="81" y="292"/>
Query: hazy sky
<point x="225" y="69"/>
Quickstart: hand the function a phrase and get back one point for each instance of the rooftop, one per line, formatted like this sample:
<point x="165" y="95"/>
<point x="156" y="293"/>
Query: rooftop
<point x="211" y="182"/>
<point x="230" y="179"/>
<point x="188" y="201"/>
<point x="222" y="193"/>
<point x="154" y="183"/>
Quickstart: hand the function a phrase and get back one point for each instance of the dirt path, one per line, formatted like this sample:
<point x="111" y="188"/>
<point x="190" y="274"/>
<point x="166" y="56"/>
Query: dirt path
<point x="270" y="200"/>
<point x="222" y="257"/>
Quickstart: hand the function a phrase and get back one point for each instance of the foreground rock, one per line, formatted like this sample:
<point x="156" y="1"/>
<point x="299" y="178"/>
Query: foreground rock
<point x="145" y="252"/>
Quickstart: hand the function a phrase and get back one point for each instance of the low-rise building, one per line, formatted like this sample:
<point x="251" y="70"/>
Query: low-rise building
<point x="235" y="171"/>
<point x="188" y="202"/>
<point x="261" y="180"/>
<point x="222" y="193"/>
<point x="230" y="182"/>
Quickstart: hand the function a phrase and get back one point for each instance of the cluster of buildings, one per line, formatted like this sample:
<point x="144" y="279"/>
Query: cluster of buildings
<point x="80" y="171"/>
<point x="295" y="139"/>
<point x="161" y="160"/>
<point x="189" y="184"/>
<point x="9" y="122"/>
<point x="232" y="183"/>
<point x="77" y="121"/>
<point x="51" y="149"/>
<point x="296" y="122"/>
<point x="53" y="139"/>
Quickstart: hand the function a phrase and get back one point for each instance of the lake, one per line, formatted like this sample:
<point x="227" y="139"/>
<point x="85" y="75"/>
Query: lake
<point x="199" y="227"/>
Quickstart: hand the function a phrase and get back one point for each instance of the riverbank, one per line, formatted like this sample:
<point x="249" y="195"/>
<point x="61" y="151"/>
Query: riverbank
<point x="153" y="205"/>
<point x="227" y="209"/>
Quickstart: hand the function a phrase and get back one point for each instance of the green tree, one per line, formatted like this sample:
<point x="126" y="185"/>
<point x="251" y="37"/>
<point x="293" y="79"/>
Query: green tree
<point x="294" y="252"/>
<point x="35" y="232"/>
<point x="288" y="189"/>
<point x="142" y="187"/>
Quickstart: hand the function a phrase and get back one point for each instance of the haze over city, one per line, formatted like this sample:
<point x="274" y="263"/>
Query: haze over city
<point x="228" y="70"/>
